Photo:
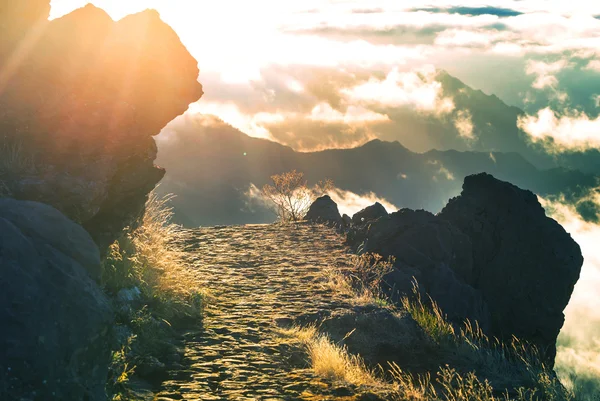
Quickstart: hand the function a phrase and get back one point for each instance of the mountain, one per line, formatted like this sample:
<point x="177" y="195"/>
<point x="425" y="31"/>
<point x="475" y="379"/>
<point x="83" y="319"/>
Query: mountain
<point x="211" y="166"/>
<point x="495" y="129"/>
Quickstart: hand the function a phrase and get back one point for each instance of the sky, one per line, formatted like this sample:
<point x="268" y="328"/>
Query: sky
<point x="317" y="74"/>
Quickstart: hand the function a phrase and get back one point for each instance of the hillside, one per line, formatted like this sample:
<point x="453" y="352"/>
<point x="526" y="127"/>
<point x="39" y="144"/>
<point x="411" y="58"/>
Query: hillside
<point x="210" y="167"/>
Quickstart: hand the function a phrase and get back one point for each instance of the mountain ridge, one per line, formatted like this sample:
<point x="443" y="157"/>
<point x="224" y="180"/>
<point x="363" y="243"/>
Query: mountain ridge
<point x="221" y="164"/>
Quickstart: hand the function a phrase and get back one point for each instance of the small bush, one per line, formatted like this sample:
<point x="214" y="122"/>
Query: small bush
<point x="291" y="196"/>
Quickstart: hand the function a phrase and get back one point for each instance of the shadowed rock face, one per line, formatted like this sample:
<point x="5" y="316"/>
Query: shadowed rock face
<point x="55" y="340"/>
<point x="84" y="102"/>
<point x="524" y="263"/>
<point x="324" y="210"/>
<point x="369" y="213"/>
<point x="491" y="255"/>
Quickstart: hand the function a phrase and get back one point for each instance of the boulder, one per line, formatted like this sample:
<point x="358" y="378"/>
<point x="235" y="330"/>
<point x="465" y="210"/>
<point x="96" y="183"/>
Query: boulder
<point x="55" y="342"/>
<point x="431" y="252"/>
<point x="524" y="263"/>
<point x="84" y="104"/>
<point x="380" y="336"/>
<point x="324" y="210"/>
<point x="369" y="214"/>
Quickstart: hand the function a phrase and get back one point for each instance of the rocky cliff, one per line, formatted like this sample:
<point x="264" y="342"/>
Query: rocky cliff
<point x="492" y="256"/>
<point x="81" y="98"/>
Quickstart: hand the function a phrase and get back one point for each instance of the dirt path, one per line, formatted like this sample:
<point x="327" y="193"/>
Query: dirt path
<point x="258" y="275"/>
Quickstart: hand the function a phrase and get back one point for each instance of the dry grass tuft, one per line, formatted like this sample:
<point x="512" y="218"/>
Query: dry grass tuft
<point x="480" y="364"/>
<point x="333" y="361"/>
<point x="153" y="258"/>
<point x="362" y="281"/>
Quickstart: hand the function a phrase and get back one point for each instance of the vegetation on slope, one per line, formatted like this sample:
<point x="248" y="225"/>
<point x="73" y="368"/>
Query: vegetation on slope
<point x="154" y="291"/>
<point x="481" y="369"/>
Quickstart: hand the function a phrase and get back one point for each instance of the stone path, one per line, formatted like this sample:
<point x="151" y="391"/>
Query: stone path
<point x="257" y="276"/>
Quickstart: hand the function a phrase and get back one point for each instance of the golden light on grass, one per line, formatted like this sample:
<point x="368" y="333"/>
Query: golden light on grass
<point x="332" y="361"/>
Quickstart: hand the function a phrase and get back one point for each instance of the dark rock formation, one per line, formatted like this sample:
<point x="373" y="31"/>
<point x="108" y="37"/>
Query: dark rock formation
<point x="82" y="96"/>
<point x="346" y="220"/>
<point x="491" y="255"/>
<point x="524" y="263"/>
<point x="431" y="251"/>
<point x="324" y="210"/>
<point x="369" y="213"/>
<point x="55" y="338"/>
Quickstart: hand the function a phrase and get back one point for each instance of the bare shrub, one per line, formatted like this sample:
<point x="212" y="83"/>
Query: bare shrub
<point x="291" y="196"/>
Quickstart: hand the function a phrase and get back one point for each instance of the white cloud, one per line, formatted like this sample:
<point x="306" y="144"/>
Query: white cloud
<point x="465" y="38"/>
<point x="545" y="72"/>
<point x="416" y="89"/>
<point x="254" y="125"/>
<point x="464" y="124"/>
<point x="593" y="65"/>
<point x="578" y="355"/>
<point x="353" y="115"/>
<point x="349" y="203"/>
<point x="575" y="131"/>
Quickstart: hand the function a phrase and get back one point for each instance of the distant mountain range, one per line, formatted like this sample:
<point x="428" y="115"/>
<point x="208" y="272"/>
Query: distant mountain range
<point x="211" y="165"/>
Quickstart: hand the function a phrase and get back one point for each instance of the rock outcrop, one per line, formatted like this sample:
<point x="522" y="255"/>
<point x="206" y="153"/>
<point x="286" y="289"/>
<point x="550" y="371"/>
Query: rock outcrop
<point x="430" y="251"/>
<point x="370" y="213"/>
<point x="491" y="255"/>
<point x="81" y="97"/>
<point x="324" y="210"/>
<point x="56" y="323"/>
<point x="524" y="263"/>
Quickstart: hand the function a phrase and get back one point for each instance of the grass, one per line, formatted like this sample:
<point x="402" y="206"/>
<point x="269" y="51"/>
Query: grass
<point x="479" y="368"/>
<point x="332" y="361"/>
<point x="151" y="259"/>
<point x="361" y="283"/>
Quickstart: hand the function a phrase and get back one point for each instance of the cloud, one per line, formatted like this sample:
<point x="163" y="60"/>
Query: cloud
<point x="575" y="131"/>
<point x="416" y="89"/>
<point x="368" y="10"/>
<point x="464" y="124"/>
<point x="497" y="11"/>
<point x="593" y="65"/>
<point x="354" y="115"/>
<point x="578" y="357"/>
<point x="545" y="72"/>
<point x="349" y="202"/>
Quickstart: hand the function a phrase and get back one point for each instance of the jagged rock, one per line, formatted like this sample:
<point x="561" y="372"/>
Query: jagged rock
<point x="84" y="104"/>
<point x="55" y="340"/>
<point x="431" y="251"/>
<point x="369" y="213"/>
<point x="324" y="210"/>
<point x="524" y="263"/>
<point x="491" y="255"/>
